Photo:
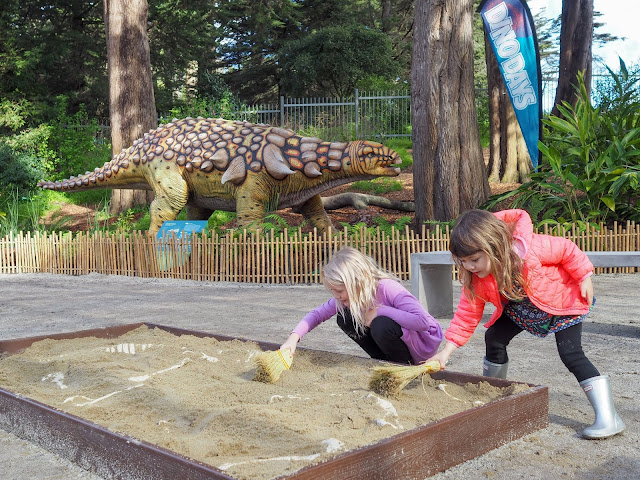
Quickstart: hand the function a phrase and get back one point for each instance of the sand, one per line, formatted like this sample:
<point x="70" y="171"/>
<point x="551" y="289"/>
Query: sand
<point x="196" y="396"/>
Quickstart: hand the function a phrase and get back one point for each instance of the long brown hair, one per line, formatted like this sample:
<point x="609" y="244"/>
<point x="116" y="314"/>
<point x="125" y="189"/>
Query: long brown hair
<point x="481" y="231"/>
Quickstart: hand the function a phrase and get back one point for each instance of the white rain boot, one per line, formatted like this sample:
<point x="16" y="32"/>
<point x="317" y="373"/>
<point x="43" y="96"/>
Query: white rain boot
<point x="608" y="423"/>
<point x="495" y="370"/>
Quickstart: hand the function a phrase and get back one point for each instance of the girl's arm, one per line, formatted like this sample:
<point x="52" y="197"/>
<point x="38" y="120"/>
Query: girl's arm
<point x="310" y="321"/>
<point x="397" y="303"/>
<point x="291" y="343"/>
<point x="443" y="355"/>
<point x="465" y="320"/>
<point x="562" y="251"/>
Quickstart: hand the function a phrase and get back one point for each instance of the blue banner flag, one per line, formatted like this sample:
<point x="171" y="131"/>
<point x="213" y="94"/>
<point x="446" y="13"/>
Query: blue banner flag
<point x="512" y="34"/>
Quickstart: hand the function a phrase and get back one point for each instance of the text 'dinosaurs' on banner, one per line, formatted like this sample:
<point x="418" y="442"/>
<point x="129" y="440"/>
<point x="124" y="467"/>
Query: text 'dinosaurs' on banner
<point x="511" y="33"/>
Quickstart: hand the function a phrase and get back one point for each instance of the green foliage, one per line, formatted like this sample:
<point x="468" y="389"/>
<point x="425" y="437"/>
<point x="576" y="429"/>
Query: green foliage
<point x="402" y="147"/>
<point x="101" y="218"/>
<point x="53" y="48"/>
<point x="432" y="224"/>
<point x="398" y="225"/>
<point x="88" y="197"/>
<point x="56" y="150"/>
<point x="125" y="220"/>
<point x="354" y="230"/>
<point x="12" y="114"/>
<point x="19" y="213"/>
<point x="182" y="39"/>
<point x="73" y="140"/>
<point x="270" y="204"/>
<point x="19" y="172"/>
<point x="274" y="222"/>
<point x="35" y="142"/>
<point x="143" y="223"/>
<point x="592" y="168"/>
<point x="343" y="132"/>
<point x="377" y="83"/>
<point x="386" y="115"/>
<point x="377" y="186"/>
<point x="484" y="124"/>
<point x="24" y="137"/>
<point x="9" y="214"/>
<point x="216" y="101"/>
<point x="219" y="218"/>
<point x="332" y="60"/>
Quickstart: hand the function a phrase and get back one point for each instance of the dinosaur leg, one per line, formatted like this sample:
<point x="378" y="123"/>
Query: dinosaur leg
<point x="314" y="211"/>
<point x="250" y="210"/>
<point x="170" y="197"/>
<point x="198" y="213"/>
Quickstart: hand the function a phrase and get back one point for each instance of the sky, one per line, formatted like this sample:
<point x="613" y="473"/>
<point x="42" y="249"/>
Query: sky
<point x="620" y="19"/>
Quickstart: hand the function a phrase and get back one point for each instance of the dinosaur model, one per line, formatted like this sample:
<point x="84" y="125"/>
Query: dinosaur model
<point x="216" y="164"/>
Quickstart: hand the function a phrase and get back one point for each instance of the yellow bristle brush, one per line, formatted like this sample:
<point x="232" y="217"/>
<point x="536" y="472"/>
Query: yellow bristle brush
<point x="271" y="364"/>
<point x="389" y="380"/>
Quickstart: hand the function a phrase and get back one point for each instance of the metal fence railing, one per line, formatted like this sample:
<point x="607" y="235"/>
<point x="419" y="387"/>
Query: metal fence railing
<point x="371" y="115"/>
<point x="364" y="115"/>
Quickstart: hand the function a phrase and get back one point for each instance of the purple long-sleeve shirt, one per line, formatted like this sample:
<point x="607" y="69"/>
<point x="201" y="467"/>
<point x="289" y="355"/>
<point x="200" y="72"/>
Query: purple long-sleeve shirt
<point x="420" y="331"/>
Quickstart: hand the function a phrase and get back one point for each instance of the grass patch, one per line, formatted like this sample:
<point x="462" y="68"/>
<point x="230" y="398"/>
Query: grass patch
<point x="378" y="186"/>
<point x="402" y="146"/>
<point x="220" y="218"/>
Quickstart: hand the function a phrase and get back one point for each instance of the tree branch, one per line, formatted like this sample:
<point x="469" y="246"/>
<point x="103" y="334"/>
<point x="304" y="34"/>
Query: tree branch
<point x="362" y="200"/>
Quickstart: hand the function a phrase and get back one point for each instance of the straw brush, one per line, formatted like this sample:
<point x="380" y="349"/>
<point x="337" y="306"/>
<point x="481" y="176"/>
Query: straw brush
<point x="389" y="380"/>
<point x="271" y="364"/>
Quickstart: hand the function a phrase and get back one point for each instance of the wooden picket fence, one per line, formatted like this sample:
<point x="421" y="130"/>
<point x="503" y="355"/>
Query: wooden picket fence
<point x="290" y="257"/>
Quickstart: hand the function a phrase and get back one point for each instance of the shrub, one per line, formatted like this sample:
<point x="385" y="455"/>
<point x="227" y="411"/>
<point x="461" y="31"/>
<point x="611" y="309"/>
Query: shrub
<point x="19" y="212"/>
<point x="73" y="142"/>
<point x="18" y="171"/>
<point x="592" y="168"/>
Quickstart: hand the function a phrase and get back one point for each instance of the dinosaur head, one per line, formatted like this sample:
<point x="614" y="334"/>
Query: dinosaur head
<point x="372" y="158"/>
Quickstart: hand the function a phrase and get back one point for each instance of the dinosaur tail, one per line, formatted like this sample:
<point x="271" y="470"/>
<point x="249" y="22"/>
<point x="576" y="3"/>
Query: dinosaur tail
<point x="123" y="171"/>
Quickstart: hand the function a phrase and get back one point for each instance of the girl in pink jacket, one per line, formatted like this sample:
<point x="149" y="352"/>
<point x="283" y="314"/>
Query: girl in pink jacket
<point x="374" y="310"/>
<point x="538" y="283"/>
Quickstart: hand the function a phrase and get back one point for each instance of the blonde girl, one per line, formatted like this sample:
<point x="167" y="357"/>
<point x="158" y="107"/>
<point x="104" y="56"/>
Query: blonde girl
<point x="373" y="309"/>
<point x="538" y="283"/>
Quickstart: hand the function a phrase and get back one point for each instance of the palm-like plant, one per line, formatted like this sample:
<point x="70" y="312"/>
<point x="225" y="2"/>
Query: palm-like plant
<point x="592" y="167"/>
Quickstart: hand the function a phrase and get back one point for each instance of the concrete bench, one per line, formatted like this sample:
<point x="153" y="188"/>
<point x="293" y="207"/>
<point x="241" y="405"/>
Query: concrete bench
<point x="432" y="276"/>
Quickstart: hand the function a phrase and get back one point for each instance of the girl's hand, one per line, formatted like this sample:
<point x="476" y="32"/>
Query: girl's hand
<point x="586" y="290"/>
<point x="291" y="343"/>
<point x="443" y="355"/>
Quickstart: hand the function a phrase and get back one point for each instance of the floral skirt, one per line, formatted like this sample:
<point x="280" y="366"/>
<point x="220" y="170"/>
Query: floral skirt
<point x="537" y="322"/>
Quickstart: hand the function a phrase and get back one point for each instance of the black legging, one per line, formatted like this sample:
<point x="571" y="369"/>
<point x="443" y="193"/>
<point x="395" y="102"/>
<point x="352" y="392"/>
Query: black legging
<point x="381" y="340"/>
<point x="568" y="341"/>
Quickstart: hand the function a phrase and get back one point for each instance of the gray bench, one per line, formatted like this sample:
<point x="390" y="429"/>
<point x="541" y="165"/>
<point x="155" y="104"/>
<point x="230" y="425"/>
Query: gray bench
<point x="432" y="276"/>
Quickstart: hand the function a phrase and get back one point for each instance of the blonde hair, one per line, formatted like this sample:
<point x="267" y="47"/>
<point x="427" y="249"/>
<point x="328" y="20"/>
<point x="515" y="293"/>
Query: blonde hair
<point x="481" y="231"/>
<point x="359" y="275"/>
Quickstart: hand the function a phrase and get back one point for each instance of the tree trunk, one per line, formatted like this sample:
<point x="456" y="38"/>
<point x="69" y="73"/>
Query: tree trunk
<point x="576" y="39"/>
<point x="387" y="20"/>
<point x="509" y="160"/>
<point x="449" y="172"/>
<point x="131" y="101"/>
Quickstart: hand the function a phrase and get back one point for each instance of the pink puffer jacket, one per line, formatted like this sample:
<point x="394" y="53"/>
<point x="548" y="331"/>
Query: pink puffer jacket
<point x="553" y="266"/>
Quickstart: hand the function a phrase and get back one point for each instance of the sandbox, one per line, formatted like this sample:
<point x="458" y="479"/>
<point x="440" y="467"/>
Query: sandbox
<point x="182" y="404"/>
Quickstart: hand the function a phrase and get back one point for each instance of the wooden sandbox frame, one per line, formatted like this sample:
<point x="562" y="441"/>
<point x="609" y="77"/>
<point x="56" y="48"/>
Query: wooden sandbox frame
<point x="415" y="454"/>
